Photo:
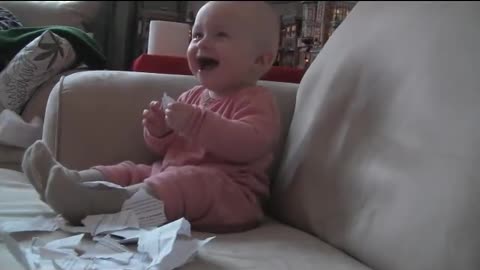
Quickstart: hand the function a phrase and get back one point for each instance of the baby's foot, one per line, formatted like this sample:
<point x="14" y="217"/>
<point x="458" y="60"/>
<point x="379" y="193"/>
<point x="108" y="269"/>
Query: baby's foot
<point x="68" y="196"/>
<point x="36" y="164"/>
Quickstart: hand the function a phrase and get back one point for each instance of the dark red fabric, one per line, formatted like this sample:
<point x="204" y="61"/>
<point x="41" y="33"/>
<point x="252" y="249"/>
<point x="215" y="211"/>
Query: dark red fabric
<point x="179" y="65"/>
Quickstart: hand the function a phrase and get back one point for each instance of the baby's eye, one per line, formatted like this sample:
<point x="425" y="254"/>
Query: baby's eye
<point x="222" y="34"/>
<point x="197" y="36"/>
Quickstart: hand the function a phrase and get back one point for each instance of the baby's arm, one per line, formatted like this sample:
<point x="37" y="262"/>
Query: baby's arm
<point x="248" y="136"/>
<point x="156" y="133"/>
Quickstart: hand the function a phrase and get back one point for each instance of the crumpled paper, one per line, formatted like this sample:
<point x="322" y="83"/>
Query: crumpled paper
<point x="163" y="247"/>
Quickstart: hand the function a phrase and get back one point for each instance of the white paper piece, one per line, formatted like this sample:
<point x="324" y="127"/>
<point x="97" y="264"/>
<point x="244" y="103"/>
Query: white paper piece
<point x="37" y="224"/>
<point x="181" y="252"/>
<point x="107" y="248"/>
<point x="57" y="249"/>
<point x="68" y="242"/>
<point x="159" y="242"/>
<point x="74" y="264"/>
<point x="140" y="261"/>
<point x="17" y="252"/>
<point x="103" y="223"/>
<point x="148" y="209"/>
<point x="104" y="184"/>
<point x="166" y="248"/>
<point x="166" y="100"/>
<point x="128" y="236"/>
<point x="47" y="253"/>
<point x="16" y="132"/>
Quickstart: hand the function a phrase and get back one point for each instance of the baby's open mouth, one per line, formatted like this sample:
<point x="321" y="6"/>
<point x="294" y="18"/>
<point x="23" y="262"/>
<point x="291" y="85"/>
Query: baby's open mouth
<point x="207" y="63"/>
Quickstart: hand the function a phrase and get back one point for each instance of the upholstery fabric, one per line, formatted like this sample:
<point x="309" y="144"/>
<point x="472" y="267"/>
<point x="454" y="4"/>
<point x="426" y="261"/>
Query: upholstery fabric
<point x="382" y="155"/>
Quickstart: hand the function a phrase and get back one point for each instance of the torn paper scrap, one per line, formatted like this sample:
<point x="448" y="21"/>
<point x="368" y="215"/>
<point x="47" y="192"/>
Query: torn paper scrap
<point x="38" y="224"/>
<point x="178" y="254"/>
<point x="148" y="209"/>
<point x="57" y="249"/>
<point x="180" y="226"/>
<point x="122" y="258"/>
<point x="166" y="100"/>
<point x="68" y="242"/>
<point x="107" y="248"/>
<point x="74" y="264"/>
<point x="16" y="132"/>
<point x="141" y="260"/>
<point x="159" y="242"/>
<point x="102" y="184"/>
<point x="127" y="236"/>
<point x="17" y="252"/>
<point x="152" y="241"/>
<point x="103" y="223"/>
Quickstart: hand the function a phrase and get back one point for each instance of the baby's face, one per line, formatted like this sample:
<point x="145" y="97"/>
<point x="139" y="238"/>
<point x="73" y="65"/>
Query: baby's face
<point x="222" y="54"/>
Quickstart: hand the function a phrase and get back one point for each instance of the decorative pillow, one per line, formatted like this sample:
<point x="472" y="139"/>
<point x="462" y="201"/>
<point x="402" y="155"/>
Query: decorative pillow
<point x="8" y="20"/>
<point x="43" y="58"/>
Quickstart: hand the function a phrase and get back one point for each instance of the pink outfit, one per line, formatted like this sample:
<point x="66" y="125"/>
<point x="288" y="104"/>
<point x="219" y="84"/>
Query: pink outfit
<point x="215" y="173"/>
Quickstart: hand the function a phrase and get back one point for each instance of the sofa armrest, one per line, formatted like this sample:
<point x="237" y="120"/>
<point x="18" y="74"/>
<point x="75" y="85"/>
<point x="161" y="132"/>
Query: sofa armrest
<point x="94" y="117"/>
<point x="37" y="104"/>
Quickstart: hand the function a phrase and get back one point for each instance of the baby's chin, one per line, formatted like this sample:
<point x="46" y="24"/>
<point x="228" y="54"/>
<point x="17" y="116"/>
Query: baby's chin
<point x="211" y="83"/>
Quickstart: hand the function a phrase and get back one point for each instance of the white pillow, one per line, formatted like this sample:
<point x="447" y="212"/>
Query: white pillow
<point x="43" y="58"/>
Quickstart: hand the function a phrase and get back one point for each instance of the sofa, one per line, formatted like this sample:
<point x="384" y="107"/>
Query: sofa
<point x="377" y="168"/>
<point x="90" y="17"/>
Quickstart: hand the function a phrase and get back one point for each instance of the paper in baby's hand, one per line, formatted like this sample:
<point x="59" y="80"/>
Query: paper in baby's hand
<point x="166" y="100"/>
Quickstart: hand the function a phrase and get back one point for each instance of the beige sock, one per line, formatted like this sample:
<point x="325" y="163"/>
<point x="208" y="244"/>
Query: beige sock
<point x="36" y="164"/>
<point x="71" y="198"/>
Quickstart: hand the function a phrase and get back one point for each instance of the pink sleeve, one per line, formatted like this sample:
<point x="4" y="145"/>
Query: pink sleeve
<point x="249" y="135"/>
<point x="158" y="145"/>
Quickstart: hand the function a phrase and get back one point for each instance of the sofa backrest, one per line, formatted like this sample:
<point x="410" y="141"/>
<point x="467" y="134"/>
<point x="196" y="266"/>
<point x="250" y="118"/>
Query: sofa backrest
<point x="383" y="152"/>
<point x="94" y="117"/>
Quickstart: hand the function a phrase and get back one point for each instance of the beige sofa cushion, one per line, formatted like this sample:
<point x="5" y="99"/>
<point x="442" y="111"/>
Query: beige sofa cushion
<point x="10" y="153"/>
<point x="11" y="157"/>
<point x="383" y="151"/>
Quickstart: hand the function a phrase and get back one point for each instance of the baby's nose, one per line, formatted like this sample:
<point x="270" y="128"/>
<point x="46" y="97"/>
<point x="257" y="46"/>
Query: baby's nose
<point x="204" y="43"/>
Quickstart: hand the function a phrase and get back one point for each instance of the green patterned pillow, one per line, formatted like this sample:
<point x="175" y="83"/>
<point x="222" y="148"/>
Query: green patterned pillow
<point x="43" y="58"/>
<point x="8" y="20"/>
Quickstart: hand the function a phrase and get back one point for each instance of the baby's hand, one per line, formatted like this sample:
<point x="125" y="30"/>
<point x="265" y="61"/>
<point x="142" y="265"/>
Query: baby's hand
<point x="177" y="115"/>
<point x="154" y="119"/>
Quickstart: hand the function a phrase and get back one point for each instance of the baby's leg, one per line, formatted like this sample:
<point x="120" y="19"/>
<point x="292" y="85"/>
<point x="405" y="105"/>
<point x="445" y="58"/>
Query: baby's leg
<point x="208" y="198"/>
<point x="37" y="163"/>
<point x="74" y="200"/>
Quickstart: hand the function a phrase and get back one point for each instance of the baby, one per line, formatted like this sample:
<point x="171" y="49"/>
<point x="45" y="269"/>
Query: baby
<point x="215" y="143"/>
